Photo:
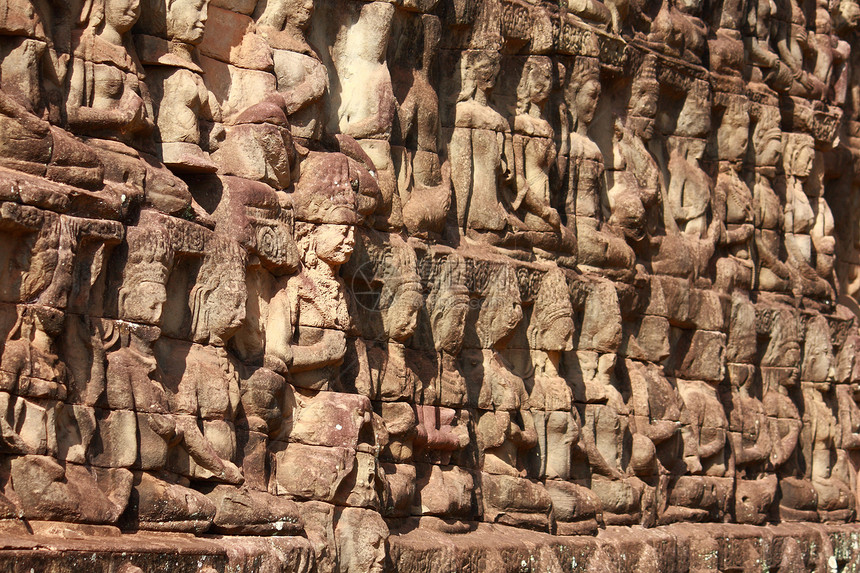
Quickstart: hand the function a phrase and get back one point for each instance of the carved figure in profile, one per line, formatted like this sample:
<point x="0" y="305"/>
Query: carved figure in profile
<point x="689" y="188"/>
<point x="848" y="412"/>
<point x="790" y="36"/>
<point x="550" y="402"/>
<point x="135" y="382"/>
<point x="733" y="204"/>
<point x="581" y="163"/>
<point x="479" y="148"/>
<point x="302" y="77"/>
<point x="534" y="155"/>
<point x="772" y="271"/>
<point x="447" y="306"/>
<point x="423" y="180"/>
<point x="551" y="399"/>
<point x="807" y="219"/>
<point x="780" y="372"/>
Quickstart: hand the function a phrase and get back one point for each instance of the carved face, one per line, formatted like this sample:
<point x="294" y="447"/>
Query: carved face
<point x="121" y="15"/>
<point x="768" y="144"/>
<point x="334" y="243"/>
<point x="186" y="20"/>
<point x="540" y="82"/>
<point x="504" y="313"/>
<point x="558" y="335"/>
<point x="733" y="136"/>
<point x="801" y="160"/>
<point x="586" y="100"/>
<point x="143" y="302"/>
<point x="226" y="308"/>
<point x="849" y="13"/>
<point x="449" y="325"/>
<point x="486" y="70"/>
<point x="299" y="12"/>
<point x="402" y="317"/>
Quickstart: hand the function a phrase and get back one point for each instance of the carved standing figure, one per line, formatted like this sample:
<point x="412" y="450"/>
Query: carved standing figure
<point x="599" y="244"/>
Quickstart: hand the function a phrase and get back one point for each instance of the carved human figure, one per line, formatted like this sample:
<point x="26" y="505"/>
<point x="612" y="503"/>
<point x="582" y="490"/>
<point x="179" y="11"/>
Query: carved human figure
<point x="171" y="30"/>
<point x="534" y="155"/>
<point x="395" y="281"/>
<point x="780" y="372"/>
<point x="752" y="447"/>
<point x="505" y="429"/>
<point x="733" y="204"/>
<point x="479" y="147"/>
<point x="655" y="407"/>
<point x="366" y="106"/>
<point x="308" y="316"/>
<point x="607" y="442"/>
<point x="821" y="433"/>
<point x="766" y="144"/>
<point x="678" y="30"/>
<point x="108" y="102"/>
<point x="758" y="34"/>
<point x="105" y="97"/>
<point x="447" y="306"/>
<point x="423" y="180"/>
<point x="581" y="165"/>
<point x="550" y="334"/>
<point x="135" y="382"/>
<point x="808" y="221"/>
<point x="788" y="27"/>
<point x="302" y="77"/>
<point x="30" y="369"/>
<point x="848" y="412"/>
<point x="205" y="399"/>
<point x="504" y="438"/>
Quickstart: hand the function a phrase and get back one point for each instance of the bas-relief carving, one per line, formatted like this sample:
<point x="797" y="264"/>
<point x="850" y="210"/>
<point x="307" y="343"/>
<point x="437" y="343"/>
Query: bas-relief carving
<point x="326" y="268"/>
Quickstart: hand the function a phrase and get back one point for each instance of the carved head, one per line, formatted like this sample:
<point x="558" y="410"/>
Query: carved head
<point x="767" y="137"/>
<point x="535" y="83"/>
<point x="186" y="20"/>
<point x="479" y="70"/>
<point x="401" y="298"/>
<point x="644" y="93"/>
<point x="818" y="361"/>
<point x="583" y="90"/>
<point x="733" y="131"/>
<point x="144" y="283"/>
<point x="502" y="309"/>
<point x="694" y="119"/>
<point x="847" y="363"/>
<point x="783" y="349"/>
<point x="799" y="154"/>
<point x="278" y="13"/>
<point x="846" y="15"/>
<point x="219" y="295"/>
<point x="119" y="15"/>
<point x="329" y="243"/>
<point x="448" y="304"/>
<point x="551" y="326"/>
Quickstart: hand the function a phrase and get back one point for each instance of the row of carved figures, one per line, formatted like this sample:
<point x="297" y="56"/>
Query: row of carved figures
<point x="206" y="386"/>
<point x="623" y="164"/>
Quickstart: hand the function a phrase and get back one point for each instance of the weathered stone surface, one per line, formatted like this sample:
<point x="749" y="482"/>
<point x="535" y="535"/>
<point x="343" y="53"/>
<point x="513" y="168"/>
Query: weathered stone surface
<point x="460" y="285"/>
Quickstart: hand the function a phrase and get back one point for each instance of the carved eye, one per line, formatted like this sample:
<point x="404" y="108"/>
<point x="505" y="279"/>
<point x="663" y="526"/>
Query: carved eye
<point x="354" y="184"/>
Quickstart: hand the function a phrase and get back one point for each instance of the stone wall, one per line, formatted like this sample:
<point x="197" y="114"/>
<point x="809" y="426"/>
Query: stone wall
<point x="330" y="285"/>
